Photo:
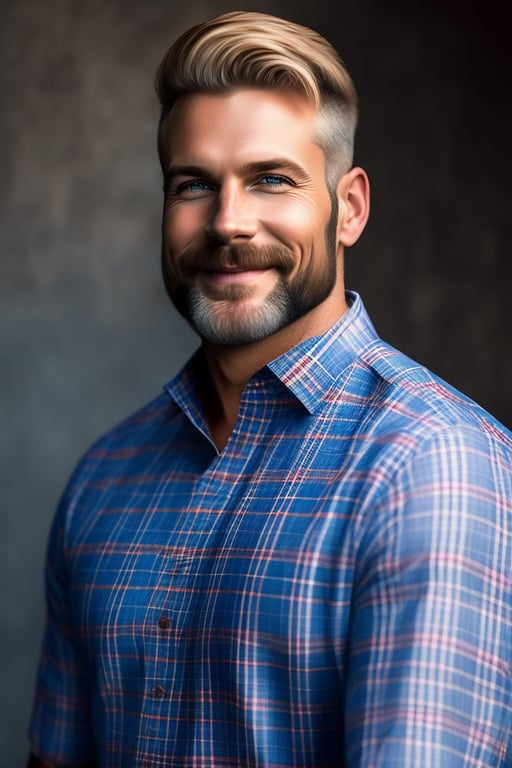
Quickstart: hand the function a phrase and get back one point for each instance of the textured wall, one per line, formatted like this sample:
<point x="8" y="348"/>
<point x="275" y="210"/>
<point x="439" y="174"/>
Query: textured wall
<point x="86" y="332"/>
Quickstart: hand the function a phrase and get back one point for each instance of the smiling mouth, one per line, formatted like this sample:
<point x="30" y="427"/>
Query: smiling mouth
<point x="229" y="276"/>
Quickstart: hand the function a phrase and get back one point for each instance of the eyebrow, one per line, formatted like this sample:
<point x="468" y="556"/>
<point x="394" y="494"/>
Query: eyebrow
<point x="259" y="166"/>
<point x="275" y="164"/>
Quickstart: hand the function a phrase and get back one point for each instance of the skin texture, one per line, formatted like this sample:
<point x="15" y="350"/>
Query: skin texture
<point x="252" y="233"/>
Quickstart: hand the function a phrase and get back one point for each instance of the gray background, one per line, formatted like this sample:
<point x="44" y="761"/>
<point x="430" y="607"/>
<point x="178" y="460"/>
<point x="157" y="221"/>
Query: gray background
<point x="87" y="333"/>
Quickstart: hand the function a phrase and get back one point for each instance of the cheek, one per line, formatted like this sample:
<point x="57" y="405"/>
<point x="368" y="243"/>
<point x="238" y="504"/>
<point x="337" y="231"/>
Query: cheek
<point x="299" y="224"/>
<point x="181" y="224"/>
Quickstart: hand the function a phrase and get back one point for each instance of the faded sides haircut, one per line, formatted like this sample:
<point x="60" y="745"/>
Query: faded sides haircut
<point x="242" y="49"/>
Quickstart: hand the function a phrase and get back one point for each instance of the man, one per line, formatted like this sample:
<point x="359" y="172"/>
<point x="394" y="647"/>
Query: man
<point x="299" y="554"/>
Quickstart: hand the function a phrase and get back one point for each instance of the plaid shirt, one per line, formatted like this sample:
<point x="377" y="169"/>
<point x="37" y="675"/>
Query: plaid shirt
<point x="333" y="589"/>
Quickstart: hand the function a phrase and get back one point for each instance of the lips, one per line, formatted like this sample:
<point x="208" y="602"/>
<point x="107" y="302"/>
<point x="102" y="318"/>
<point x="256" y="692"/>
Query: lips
<point x="230" y="275"/>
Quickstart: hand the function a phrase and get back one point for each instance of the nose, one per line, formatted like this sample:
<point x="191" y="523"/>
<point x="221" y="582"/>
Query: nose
<point x="233" y="215"/>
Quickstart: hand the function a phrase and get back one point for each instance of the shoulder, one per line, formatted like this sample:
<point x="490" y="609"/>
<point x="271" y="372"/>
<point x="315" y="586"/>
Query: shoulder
<point x="435" y="459"/>
<point x="124" y="452"/>
<point x="137" y="433"/>
<point x="426" y="450"/>
<point x="413" y="398"/>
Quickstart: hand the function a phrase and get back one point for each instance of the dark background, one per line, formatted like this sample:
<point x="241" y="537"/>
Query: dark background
<point x="87" y="333"/>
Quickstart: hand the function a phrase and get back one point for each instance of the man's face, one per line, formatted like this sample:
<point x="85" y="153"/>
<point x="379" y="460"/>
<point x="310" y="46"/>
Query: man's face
<point x="249" y="230"/>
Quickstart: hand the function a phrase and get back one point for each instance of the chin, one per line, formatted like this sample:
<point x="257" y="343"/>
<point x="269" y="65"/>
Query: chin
<point x="227" y="323"/>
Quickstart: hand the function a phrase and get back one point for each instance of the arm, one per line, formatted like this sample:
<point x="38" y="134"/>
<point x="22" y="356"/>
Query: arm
<point x="429" y="670"/>
<point x="60" y="731"/>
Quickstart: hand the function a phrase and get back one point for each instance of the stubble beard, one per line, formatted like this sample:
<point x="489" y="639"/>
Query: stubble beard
<point x="235" y="319"/>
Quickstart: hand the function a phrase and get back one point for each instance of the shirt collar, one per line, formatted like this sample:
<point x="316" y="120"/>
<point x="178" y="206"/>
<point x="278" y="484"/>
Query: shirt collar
<point x="308" y="370"/>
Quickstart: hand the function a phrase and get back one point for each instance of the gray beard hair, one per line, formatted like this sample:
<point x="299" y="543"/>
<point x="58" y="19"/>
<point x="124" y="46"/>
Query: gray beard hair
<point x="213" y="324"/>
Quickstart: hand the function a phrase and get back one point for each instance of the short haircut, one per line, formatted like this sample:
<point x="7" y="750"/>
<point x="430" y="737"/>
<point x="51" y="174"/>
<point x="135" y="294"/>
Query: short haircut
<point x="242" y="49"/>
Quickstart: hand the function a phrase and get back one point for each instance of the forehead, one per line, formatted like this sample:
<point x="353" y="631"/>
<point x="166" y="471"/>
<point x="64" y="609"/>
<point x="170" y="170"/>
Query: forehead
<point x="249" y="124"/>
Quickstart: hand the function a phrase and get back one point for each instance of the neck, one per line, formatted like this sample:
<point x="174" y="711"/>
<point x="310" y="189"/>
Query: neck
<point x="231" y="367"/>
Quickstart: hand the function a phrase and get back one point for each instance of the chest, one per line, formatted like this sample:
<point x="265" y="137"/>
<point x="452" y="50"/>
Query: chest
<point x="255" y="543"/>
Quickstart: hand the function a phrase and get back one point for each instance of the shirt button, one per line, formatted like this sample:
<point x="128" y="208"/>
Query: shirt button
<point x="158" y="692"/>
<point x="163" y="622"/>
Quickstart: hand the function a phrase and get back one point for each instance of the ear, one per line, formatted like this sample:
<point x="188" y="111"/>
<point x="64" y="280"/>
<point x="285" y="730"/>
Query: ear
<point x="354" y="205"/>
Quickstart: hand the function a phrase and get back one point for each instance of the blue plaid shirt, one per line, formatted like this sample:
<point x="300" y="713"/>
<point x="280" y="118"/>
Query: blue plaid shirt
<point x="332" y="589"/>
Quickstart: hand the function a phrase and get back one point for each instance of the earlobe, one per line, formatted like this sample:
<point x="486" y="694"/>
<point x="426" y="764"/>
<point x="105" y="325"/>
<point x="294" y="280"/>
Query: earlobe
<point x="354" y="205"/>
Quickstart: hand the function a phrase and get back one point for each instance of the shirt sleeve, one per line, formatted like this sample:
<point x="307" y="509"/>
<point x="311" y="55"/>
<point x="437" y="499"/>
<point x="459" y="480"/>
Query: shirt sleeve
<point x="428" y="680"/>
<point x="60" y="730"/>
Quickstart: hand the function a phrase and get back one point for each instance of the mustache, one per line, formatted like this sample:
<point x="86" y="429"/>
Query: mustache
<point x="243" y="257"/>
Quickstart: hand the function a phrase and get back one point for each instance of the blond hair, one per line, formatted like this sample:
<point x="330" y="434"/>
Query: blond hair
<point x="242" y="49"/>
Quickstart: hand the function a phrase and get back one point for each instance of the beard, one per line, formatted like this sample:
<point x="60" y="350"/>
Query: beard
<point x="232" y="318"/>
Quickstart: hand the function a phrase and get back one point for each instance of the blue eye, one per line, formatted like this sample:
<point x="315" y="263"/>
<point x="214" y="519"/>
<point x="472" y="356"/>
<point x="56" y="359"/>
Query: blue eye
<point x="194" y="186"/>
<point x="273" y="180"/>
